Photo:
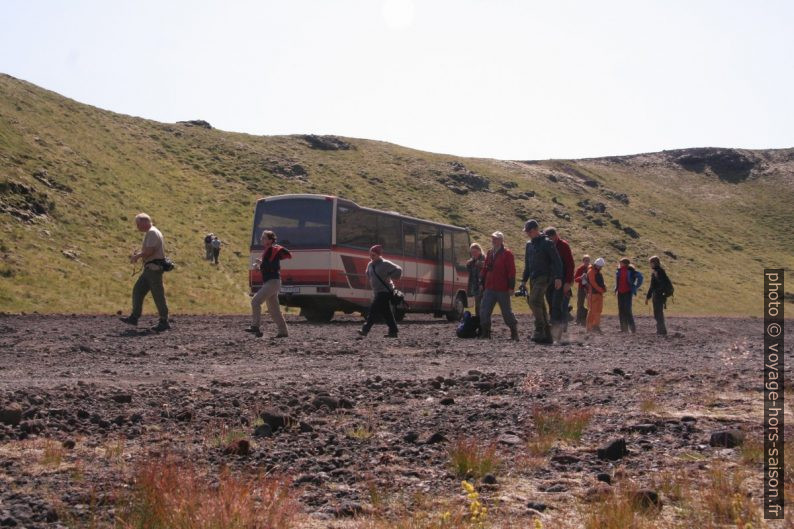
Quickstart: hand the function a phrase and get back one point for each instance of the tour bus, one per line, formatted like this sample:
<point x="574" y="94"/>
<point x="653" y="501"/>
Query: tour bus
<point x="329" y="238"/>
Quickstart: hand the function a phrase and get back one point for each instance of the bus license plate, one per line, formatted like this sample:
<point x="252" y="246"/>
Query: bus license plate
<point x="290" y="290"/>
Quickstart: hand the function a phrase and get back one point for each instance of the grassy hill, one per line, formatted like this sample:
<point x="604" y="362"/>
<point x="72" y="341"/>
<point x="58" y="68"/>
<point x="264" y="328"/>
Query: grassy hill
<point x="72" y="177"/>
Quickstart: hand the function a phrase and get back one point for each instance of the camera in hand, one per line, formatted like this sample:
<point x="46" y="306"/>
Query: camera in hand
<point x="521" y="292"/>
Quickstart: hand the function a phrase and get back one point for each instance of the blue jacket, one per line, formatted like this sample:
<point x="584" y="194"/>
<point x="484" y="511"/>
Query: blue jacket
<point x="635" y="279"/>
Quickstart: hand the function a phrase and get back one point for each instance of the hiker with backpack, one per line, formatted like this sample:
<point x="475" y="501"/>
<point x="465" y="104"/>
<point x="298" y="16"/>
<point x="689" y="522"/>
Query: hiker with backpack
<point x="660" y="290"/>
<point x="580" y="278"/>
<point x="270" y="266"/>
<point x="381" y="273"/>
<point x="543" y="269"/>
<point x="559" y="298"/>
<point x="595" y="298"/>
<point x="216" y="248"/>
<point x="208" y="246"/>
<point x="627" y="281"/>
<point x="474" y="267"/>
<point x="499" y="280"/>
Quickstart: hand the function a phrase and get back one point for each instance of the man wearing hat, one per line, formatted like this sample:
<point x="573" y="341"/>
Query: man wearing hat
<point x="542" y="267"/>
<point x="381" y="273"/>
<point x="596" y="297"/>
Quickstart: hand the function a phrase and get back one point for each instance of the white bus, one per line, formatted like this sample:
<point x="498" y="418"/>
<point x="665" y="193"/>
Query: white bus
<point x="329" y="238"/>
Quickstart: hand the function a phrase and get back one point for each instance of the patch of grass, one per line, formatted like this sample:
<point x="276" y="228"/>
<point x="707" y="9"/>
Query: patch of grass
<point x="726" y="499"/>
<point x="361" y="433"/>
<point x="220" y="435"/>
<point x="114" y="449"/>
<point x="52" y="455"/>
<point x="173" y="495"/>
<point x="556" y="423"/>
<point x="615" y="511"/>
<point x="649" y="405"/>
<point x="752" y="451"/>
<point x="471" y="459"/>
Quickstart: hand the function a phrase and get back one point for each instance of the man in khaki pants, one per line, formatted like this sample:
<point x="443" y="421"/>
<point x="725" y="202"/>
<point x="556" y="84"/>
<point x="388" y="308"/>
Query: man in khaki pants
<point x="270" y="266"/>
<point x="152" y="253"/>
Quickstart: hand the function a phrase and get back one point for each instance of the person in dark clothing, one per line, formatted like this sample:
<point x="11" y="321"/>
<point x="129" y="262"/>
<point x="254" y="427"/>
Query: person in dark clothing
<point x="580" y="278"/>
<point x="559" y="298"/>
<point x="270" y="267"/>
<point x="380" y="274"/>
<point x="474" y="267"/>
<point x="627" y="281"/>
<point x="542" y="268"/>
<point x="208" y="246"/>
<point x="660" y="288"/>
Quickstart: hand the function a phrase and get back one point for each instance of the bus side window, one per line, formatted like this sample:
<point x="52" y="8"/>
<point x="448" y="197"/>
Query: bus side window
<point x="447" y="246"/>
<point x="428" y="239"/>
<point x="461" y="243"/>
<point x="355" y="228"/>
<point x="409" y="240"/>
<point x="389" y="234"/>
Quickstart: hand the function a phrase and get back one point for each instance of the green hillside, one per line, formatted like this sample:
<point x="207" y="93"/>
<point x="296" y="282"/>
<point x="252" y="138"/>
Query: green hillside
<point x="72" y="177"/>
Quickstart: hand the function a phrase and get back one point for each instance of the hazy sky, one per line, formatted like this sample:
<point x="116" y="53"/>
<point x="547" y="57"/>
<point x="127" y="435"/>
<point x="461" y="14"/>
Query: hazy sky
<point x="495" y="78"/>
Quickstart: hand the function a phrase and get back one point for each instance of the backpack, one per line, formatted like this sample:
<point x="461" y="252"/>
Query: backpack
<point x="667" y="287"/>
<point x="469" y="326"/>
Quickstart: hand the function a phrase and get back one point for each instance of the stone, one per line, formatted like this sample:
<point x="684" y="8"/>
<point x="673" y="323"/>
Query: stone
<point x="489" y="479"/>
<point x="537" y="506"/>
<point x="615" y="450"/>
<point x="604" y="477"/>
<point x="435" y="438"/>
<point x="727" y="438"/>
<point x="11" y="414"/>
<point x="410" y="437"/>
<point x="646" y="499"/>
<point x="446" y="401"/>
<point x="122" y="398"/>
<point x="509" y="439"/>
<point x="240" y="447"/>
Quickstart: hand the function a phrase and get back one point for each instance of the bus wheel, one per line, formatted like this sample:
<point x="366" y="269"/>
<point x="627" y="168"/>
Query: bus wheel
<point x="317" y="315"/>
<point x="457" y="309"/>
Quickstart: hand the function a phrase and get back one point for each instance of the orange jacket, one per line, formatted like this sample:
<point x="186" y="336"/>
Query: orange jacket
<point x="596" y="280"/>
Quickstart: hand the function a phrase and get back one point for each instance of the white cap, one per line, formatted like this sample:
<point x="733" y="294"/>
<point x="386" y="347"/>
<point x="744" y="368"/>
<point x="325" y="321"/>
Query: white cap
<point x="600" y="262"/>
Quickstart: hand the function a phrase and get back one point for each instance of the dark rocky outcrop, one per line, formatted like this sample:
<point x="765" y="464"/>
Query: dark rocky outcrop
<point x="326" y="143"/>
<point x="728" y="164"/>
<point x="196" y="123"/>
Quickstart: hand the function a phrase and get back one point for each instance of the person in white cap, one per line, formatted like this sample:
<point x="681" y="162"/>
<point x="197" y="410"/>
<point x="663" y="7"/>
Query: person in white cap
<point x="596" y="295"/>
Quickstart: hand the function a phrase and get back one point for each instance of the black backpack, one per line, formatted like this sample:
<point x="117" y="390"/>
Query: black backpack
<point x="469" y="326"/>
<point x="667" y="287"/>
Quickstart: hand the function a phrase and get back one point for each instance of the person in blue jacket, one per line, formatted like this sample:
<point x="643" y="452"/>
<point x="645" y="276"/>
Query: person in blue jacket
<point x="627" y="281"/>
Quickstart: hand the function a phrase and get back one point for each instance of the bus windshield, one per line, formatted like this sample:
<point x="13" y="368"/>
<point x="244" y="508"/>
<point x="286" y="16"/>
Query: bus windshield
<point x="297" y="222"/>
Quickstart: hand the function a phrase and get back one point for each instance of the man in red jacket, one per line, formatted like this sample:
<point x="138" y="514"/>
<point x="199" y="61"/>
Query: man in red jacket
<point x="499" y="280"/>
<point x="559" y="299"/>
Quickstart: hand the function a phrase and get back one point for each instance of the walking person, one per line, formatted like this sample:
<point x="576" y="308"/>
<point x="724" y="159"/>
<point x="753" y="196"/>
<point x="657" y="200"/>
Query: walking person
<point x="270" y="266"/>
<point x="543" y="269"/>
<point x="152" y="253"/>
<point x="661" y="288"/>
<point x="559" y="298"/>
<point x="597" y="287"/>
<point x="627" y="281"/>
<point x="216" y="248"/>
<point x="474" y="267"/>
<point x="208" y="246"/>
<point x="499" y="280"/>
<point x="381" y="275"/>
<point x="580" y="278"/>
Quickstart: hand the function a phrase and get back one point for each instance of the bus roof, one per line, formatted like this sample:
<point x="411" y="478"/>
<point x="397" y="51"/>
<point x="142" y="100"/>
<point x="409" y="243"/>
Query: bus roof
<point x="347" y="202"/>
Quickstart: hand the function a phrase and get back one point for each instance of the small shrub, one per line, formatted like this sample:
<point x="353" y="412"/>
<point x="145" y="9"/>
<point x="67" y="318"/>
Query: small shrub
<point x="362" y="433"/>
<point x="561" y="424"/>
<point x="52" y="456"/>
<point x="170" y="495"/>
<point x="752" y="451"/>
<point x="726" y="499"/>
<point x="616" y="511"/>
<point x="471" y="459"/>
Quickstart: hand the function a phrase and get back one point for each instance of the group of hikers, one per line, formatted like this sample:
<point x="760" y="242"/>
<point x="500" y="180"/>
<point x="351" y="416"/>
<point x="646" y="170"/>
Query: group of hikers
<point x="548" y="272"/>
<point x="212" y="247"/>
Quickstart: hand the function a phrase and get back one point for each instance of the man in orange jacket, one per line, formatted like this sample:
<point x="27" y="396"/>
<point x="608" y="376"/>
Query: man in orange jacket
<point x="596" y="296"/>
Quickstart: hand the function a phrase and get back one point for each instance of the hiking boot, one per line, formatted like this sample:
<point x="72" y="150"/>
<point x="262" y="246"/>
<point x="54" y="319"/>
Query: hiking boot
<point x="514" y="333"/>
<point x="362" y="332"/>
<point x="556" y="332"/>
<point x="161" y="326"/>
<point x="255" y="330"/>
<point x="390" y="335"/>
<point x="130" y="320"/>
<point x="485" y="333"/>
<point x="282" y="335"/>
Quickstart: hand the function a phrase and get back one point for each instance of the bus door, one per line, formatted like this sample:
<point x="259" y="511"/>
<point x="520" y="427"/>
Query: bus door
<point x="410" y="268"/>
<point x="430" y="290"/>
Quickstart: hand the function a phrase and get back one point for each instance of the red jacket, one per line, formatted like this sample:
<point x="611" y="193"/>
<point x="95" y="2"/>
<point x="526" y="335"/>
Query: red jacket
<point x="564" y="249"/>
<point x="577" y="276"/>
<point x="499" y="272"/>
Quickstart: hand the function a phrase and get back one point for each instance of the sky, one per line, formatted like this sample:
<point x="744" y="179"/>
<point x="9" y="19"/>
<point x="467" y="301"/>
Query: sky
<point x="487" y="78"/>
